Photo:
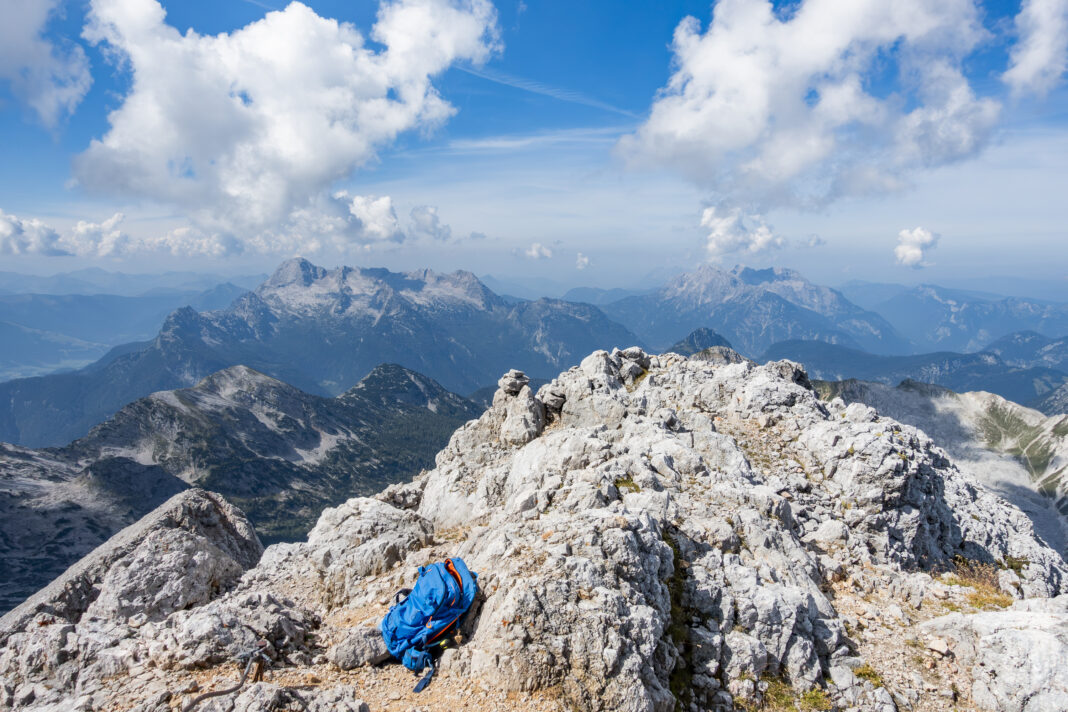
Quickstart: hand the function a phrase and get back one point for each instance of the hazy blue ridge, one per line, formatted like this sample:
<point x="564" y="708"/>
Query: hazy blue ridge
<point x="753" y="309"/>
<point x="956" y="371"/>
<point x="45" y="333"/>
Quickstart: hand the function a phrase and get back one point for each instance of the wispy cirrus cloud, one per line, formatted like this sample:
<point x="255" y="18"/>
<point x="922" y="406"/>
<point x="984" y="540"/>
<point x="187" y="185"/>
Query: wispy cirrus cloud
<point x="593" y="137"/>
<point x="536" y="87"/>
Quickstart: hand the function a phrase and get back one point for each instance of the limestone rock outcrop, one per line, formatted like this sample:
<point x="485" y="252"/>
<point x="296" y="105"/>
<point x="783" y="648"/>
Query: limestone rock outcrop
<point x="650" y="532"/>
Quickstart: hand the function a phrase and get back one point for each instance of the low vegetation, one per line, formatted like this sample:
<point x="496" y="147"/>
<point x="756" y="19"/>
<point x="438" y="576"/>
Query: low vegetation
<point x="867" y="672"/>
<point x="982" y="578"/>
<point x="781" y="697"/>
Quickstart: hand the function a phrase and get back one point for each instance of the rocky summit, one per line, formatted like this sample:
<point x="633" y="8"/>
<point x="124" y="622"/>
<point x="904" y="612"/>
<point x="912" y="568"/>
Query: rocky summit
<point x="651" y="533"/>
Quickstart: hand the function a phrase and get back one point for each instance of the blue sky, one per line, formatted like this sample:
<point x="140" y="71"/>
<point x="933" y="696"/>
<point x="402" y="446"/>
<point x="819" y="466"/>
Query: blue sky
<point x="585" y="143"/>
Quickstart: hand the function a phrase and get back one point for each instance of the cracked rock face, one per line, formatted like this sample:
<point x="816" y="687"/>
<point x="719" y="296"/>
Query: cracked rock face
<point x="623" y="546"/>
<point x="649" y="531"/>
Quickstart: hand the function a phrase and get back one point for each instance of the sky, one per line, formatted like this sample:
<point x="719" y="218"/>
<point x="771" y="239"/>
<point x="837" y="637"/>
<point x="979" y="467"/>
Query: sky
<point x="592" y="143"/>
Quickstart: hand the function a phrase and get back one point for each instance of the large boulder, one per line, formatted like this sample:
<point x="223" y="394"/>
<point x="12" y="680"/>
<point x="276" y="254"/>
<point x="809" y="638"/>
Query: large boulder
<point x="129" y="564"/>
<point x="1015" y="656"/>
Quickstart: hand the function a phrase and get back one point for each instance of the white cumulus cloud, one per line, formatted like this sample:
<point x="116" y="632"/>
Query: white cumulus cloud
<point x="342" y="222"/>
<point x="582" y="261"/>
<point x="247" y="131"/>
<point x="375" y="218"/>
<point x="26" y="237"/>
<point x="100" y="239"/>
<point x="767" y="109"/>
<point x="426" y="224"/>
<point x="730" y="232"/>
<point x="50" y="77"/>
<point x="1039" y="57"/>
<point x="913" y="245"/>
<point x="537" y="251"/>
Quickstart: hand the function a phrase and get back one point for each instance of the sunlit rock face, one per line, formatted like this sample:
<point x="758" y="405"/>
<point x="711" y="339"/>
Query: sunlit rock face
<point x="649" y="531"/>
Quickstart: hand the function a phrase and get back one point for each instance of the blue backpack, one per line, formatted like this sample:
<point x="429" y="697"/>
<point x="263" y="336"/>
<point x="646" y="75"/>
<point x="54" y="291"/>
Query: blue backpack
<point x="420" y="616"/>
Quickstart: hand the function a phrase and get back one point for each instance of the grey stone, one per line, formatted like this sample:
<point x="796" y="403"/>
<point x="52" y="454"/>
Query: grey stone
<point x="513" y="382"/>
<point x="362" y="645"/>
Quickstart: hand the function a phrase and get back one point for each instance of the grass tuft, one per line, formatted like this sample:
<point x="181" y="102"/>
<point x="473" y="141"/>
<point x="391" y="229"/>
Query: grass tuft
<point x="781" y="697"/>
<point x="815" y="700"/>
<point x="867" y="672"/>
<point x="982" y="578"/>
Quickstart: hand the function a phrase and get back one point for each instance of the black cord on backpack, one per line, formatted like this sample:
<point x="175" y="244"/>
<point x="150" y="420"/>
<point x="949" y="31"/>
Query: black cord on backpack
<point x="421" y="685"/>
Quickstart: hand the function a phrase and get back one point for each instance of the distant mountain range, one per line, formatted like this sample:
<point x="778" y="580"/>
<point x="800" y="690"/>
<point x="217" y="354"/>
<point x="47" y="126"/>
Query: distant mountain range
<point x="94" y="280"/>
<point x="281" y="454"/>
<point x="1017" y="451"/>
<point x="1029" y="348"/>
<point x="958" y="372"/>
<point x="754" y="309"/>
<point x="935" y="318"/>
<point x="42" y="333"/>
<point x="321" y="331"/>
<point x="598" y="296"/>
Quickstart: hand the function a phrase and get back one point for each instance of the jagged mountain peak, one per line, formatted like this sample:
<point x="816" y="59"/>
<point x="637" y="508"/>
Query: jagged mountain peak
<point x="699" y="340"/>
<point x="705" y="280"/>
<point x="295" y="271"/>
<point x="713" y="276"/>
<point x="390" y="382"/>
<point x="180" y="318"/>
<point x="305" y="289"/>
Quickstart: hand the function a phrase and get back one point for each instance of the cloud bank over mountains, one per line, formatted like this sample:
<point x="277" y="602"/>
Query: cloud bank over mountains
<point x="248" y="135"/>
<point x="359" y="222"/>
